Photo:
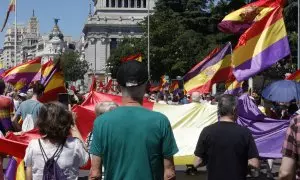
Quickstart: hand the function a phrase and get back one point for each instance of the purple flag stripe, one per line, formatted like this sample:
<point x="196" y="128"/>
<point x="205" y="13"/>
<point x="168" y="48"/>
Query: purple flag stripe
<point x="215" y="59"/>
<point x="235" y="27"/>
<point x="263" y="60"/>
<point x="235" y="91"/>
<point x="14" y="78"/>
<point x="11" y="169"/>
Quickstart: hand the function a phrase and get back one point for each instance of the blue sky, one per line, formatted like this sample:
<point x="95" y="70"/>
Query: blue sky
<point x="72" y="15"/>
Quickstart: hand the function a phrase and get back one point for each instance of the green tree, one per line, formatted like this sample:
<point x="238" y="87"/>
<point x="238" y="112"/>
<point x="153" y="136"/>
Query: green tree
<point x="183" y="32"/>
<point x="73" y="68"/>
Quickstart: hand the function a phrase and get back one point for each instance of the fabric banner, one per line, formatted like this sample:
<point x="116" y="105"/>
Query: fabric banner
<point x="268" y="133"/>
<point x="187" y="122"/>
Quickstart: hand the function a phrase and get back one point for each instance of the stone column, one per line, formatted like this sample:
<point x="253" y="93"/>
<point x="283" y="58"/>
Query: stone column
<point x="123" y="3"/>
<point x="135" y="3"/>
<point x="116" y="3"/>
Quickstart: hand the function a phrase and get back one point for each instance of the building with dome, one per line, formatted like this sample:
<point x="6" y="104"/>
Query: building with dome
<point x="111" y="21"/>
<point x="53" y="44"/>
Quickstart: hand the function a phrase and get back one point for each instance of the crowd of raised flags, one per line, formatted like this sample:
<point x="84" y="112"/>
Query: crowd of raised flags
<point x="49" y="75"/>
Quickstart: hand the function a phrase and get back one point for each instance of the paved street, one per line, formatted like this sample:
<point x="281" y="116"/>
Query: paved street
<point x="181" y="175"/>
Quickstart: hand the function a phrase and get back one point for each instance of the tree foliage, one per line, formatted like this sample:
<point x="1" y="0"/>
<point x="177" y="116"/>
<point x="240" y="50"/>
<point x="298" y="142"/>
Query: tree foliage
<point x="183" y="32"/>
<point x="73" y="68"/>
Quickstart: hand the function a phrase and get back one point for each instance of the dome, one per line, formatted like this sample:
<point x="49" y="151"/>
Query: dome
<point x="56" y="33"/>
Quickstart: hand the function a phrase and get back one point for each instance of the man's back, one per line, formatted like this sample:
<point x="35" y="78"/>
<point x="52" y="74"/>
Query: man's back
<point x="133" y="142"/>
<point x="6" y="110"/>
<point x="226" y="148"/>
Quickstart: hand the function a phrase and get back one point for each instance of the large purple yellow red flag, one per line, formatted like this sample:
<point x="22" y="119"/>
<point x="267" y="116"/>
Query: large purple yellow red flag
<point x="264" y="41"/>
<point x="22" y="75"/>
<point x="294" y="77"/>
<point x="53" y="80"/>
<point x="215" y="69"/>
<point x="11" y="8"/>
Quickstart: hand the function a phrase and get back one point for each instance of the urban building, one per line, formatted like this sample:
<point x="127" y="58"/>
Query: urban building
<point x="53" y="44"/>
<point x="31" y="38"/>
<point x="8" y="54"/>
<point x="111" y="21"/>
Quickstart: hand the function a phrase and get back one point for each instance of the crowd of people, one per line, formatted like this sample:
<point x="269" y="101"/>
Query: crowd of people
<point x="131" y="142"/>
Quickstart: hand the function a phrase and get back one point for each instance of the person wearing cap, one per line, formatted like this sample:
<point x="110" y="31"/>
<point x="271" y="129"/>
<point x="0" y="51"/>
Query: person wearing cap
<point x="132" y="142"/>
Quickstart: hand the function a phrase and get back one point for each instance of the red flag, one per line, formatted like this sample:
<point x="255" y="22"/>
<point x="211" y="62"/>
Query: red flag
<point x="108" y="85"/>
<point x="136" y="57"/>
<point x="94" y="84"/>
<point x="295" y="76"/>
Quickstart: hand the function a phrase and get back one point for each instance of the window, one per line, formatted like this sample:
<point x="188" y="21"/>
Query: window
<point x="126" y="3"/>
<point x="113" y="4"/>
<point x="144" y="3"/>
<point x="132" y="3"/>
<point x="113" y="44"/>
<point x="138" y="4"/>
<point x="119" y="3"/>
<point x="107" y="3"/>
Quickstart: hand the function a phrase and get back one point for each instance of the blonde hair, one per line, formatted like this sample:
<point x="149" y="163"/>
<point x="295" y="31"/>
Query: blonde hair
<point x="104" y="107"/>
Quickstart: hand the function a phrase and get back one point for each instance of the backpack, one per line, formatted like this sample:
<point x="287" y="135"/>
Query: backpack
<point x="52" y="171"/>
<point x="29" y="122"/>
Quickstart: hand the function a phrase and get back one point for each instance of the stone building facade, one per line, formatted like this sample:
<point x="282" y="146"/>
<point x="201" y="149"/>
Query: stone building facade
<point x="111" y="21"/>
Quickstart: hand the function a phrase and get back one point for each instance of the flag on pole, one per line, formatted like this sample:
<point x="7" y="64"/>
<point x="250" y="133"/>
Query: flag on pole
<point x="263" y="43"/>
<point x="215" y="69"/>
<point x="53" y="82"/>
<point x="22" y="75"/>
<point x="94" y="84"/>
<point x="11" y="8"/>
<point x="136" y="57"/>
<point x="294" y="77"/>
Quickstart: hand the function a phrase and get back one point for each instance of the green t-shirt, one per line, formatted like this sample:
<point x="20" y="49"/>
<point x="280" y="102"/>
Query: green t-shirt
<point x="133" y="142"/>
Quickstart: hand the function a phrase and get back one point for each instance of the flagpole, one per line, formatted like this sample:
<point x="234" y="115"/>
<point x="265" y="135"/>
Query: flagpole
<point x="149" y="74"/>
<point x="15" y="33"/>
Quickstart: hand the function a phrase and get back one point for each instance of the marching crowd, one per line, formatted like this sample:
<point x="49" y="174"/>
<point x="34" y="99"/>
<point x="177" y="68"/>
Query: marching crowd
<point x="130" y="142"/>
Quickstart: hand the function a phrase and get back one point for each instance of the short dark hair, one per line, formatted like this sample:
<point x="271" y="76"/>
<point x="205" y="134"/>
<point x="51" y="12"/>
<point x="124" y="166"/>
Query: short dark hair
<point x="2" y="86"/>
<point x="55" y="121"/>
<point x="227" y="105"/>
<point x="38" y="88"/>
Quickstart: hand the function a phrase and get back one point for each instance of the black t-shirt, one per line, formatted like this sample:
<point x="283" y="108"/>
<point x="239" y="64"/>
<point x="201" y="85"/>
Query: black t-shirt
<point x="225" y="147"/>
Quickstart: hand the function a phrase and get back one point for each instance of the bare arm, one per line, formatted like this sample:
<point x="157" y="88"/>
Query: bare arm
<point x="169" y="169"/>
<point x="96" y="168"/>
<point x="15" y="123"/>
<point x="198" y="162"/>
<point x="254" y="162"/>
<point x="287" y="169"/>
<point x="28" y="173"/>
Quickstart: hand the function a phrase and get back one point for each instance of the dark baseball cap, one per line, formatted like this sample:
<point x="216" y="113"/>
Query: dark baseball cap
<point x="132" y="74"/>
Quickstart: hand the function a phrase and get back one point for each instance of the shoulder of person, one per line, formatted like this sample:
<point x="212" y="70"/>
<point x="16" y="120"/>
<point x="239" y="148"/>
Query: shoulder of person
<point x="33" y="144"/>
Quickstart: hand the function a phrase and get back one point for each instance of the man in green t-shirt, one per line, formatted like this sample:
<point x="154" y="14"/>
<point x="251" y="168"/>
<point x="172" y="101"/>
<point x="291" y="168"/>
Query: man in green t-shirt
<point x="133" y="143"/>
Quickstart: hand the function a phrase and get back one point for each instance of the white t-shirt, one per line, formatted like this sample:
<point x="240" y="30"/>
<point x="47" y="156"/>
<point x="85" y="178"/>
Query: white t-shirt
<point x="72" y="157"/>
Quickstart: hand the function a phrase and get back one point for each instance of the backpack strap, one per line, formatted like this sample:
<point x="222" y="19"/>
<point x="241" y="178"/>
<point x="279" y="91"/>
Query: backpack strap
<point x="56" y="153"/>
